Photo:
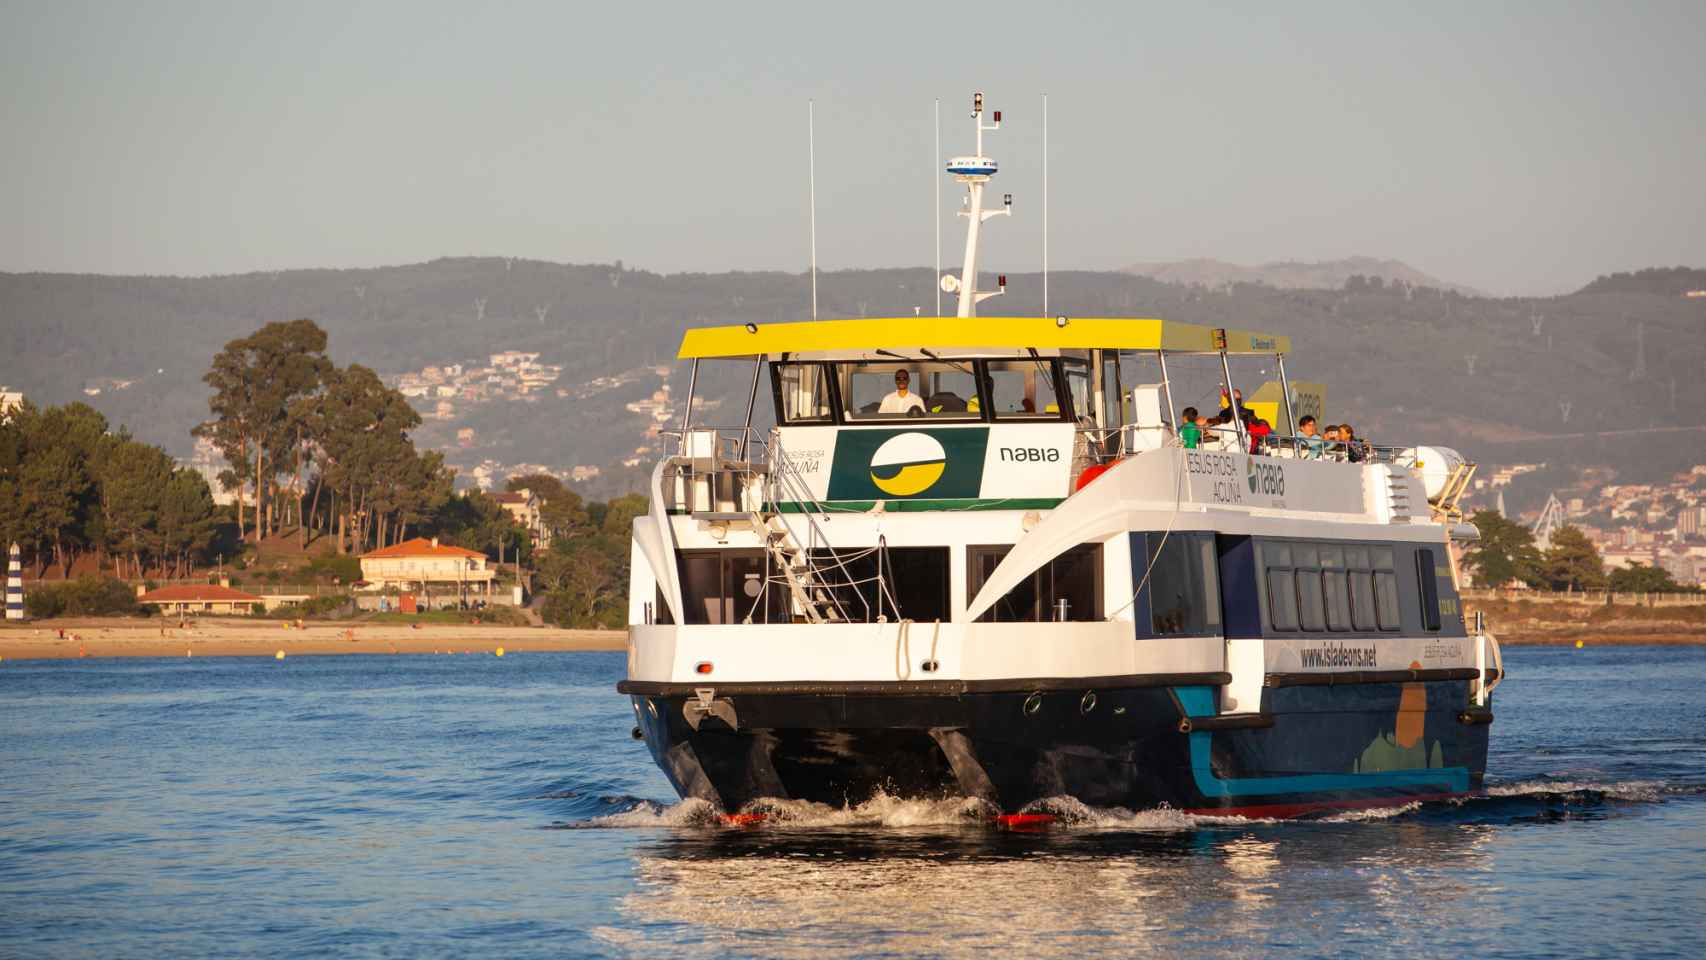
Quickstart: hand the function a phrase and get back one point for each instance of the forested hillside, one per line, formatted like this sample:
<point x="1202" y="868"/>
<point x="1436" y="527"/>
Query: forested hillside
<point x="1399" y="361"/>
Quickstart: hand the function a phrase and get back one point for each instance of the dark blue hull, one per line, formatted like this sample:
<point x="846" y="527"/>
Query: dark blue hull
<point x="1312" y="747"/>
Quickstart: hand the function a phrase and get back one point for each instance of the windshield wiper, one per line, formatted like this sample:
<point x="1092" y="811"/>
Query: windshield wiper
<point x="951" y="363"/>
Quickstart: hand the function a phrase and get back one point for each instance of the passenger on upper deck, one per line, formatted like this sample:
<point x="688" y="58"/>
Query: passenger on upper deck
<point x="1256" y="429"/>
<point x="1355" y="450"/>
<point x="1233" y="407"/>
<point x="1333" y="449"/>
<point x="902" y="400"/>
<point x="1312" y="445"/>
<point x="1190" y="435"/>
<point x="1220" y="434"/>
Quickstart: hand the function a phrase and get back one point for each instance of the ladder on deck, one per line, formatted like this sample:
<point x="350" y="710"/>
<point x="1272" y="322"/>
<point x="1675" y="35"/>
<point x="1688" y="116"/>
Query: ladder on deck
<point x="812" y="595"/>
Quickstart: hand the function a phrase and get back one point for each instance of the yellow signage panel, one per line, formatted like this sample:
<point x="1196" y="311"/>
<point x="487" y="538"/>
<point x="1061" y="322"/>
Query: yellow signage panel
<point x="1307" y="399"/>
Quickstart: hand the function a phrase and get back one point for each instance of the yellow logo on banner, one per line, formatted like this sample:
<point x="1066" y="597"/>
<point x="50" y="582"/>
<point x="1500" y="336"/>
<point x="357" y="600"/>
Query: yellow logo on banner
<point x="908" y="464"/>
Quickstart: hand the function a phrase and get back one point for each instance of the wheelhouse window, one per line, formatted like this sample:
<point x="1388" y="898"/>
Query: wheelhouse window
<point x="1078" y="386"/>
<point x="910" y="390"/>
<point x="1067" y="588"/>
<point x="1024" y="389"/>
<point x="802" y="393"/>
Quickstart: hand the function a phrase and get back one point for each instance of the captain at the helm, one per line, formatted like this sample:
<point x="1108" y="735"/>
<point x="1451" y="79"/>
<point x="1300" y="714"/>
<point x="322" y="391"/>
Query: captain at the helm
<point x="901" y="399"/>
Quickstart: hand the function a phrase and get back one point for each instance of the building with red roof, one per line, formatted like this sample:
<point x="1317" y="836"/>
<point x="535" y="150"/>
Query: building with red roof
<point x="424" y="564"/>
<point x="200" y="598"/>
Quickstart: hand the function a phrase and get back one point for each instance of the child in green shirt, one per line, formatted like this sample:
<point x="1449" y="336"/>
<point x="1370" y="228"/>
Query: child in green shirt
<point x="1190" y="432"/>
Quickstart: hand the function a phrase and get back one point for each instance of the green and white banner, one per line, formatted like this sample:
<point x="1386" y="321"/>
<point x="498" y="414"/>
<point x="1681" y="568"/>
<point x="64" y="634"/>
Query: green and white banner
<point x="1025" y="462"/>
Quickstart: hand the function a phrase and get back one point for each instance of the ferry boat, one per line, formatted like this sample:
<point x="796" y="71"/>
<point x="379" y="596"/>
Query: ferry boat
<point x="1008" y="579"/>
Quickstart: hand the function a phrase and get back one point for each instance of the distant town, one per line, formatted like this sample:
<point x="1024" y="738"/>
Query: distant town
<point x="1656" y="525"/>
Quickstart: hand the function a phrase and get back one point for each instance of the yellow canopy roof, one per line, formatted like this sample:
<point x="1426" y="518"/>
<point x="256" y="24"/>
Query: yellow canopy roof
<point x="947" y="333"/>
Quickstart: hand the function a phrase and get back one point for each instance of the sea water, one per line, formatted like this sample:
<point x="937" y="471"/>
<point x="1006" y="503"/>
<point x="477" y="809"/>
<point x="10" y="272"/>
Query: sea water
<point x="466" y="804"/>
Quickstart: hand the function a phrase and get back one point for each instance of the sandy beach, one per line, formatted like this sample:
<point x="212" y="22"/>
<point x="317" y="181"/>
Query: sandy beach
<point x="237" y="637"/>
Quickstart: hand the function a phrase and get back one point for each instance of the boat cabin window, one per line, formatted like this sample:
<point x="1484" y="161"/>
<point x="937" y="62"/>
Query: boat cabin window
<point x="916" y="579"/>
<point x="1181" y="596"/>
<point x="1328" y="587"/>
<point x="1023" y="389"/>
<point x="944" y="391"/>
<point x="1429" y="579"/>
<point x="803" y="393"/>
<point x="730" y="586"/>
<point x="1068" y="588"/>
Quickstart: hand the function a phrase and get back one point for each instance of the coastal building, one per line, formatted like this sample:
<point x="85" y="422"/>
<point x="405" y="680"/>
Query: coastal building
<point x="525" y="508"/>
<point x="10" y="399"/>
<point x="427" y="565"/>
<point x="213" y="599"/>
<point x="1688" y="522"/>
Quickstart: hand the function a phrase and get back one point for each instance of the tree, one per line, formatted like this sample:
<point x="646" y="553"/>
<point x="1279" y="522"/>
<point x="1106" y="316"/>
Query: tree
<point x="1505" y="551"/>
<point x="68" y="487"/>
<point x="1640" y="578"/>
<point x="258" y="420"/>
<point x="475" y="521"/>
<point x="362" y="434"/>
<point x="619" y="515"/>
<point x="1572" y="563"/>
<point x="133" y="478"/>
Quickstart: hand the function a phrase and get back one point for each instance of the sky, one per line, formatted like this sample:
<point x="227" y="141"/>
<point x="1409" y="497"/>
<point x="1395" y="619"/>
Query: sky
<point x="1519" y="148"/>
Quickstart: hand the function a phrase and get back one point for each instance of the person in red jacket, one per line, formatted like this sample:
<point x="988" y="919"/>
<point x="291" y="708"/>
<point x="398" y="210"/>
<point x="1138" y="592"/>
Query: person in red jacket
<point x="1257" y="429"/>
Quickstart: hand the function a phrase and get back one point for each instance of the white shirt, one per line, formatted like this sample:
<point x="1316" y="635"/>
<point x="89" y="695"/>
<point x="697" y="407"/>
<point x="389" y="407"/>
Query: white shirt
<point x="895" y="403"/>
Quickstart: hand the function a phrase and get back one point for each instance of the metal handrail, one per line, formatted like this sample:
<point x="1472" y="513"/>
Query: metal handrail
<point x="783" y="479"/>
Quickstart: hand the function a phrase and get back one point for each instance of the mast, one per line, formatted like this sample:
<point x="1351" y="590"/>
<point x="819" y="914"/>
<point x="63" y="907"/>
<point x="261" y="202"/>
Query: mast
<point x="974" y="171"/>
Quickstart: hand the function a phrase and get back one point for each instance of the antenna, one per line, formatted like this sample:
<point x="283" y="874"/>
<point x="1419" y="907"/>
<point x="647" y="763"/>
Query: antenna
<point x="1045" y="205"/>
<point x="936" y="211"/>
<point x="811" y="161"/>
<point x="974" y="171"/>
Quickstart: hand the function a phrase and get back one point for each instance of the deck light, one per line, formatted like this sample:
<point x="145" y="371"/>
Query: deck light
<point x="1001" y="280"/>
<point x="702" y="668"/>
<point x="1061" y="321"/>
<point x="752" y="328"/>
<point x="997" y="116"/>
<point x="1007" y="199"/>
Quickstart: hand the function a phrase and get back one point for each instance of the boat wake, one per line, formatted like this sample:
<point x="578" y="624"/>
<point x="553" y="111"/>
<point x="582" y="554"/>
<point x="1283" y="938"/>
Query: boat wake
<point x="1516" y="801"/>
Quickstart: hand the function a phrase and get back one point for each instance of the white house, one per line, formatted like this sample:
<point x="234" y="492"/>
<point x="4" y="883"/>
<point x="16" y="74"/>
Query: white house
<point x="427" y="565"/>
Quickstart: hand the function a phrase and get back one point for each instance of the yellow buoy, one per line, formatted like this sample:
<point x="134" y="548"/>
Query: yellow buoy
<point x="279" y="655"/>
<point x="500" y="651"/>
<point x="1578" y="644"/>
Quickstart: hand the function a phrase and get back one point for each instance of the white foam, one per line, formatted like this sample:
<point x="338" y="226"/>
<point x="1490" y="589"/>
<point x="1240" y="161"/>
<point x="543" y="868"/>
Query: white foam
<point x="1373" y="813"/>
<point x="687" y="813"/>
<point x="1637" y="790"/>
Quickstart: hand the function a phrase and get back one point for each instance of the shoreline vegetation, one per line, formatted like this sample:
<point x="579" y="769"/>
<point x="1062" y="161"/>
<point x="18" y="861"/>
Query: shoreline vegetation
<point x="95" y="637"/>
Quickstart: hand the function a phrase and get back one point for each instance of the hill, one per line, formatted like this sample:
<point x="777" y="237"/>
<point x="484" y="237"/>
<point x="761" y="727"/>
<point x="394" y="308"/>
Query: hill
<point x="1503" y="379"/>
<point x="1291" y="275"/>
<point x="1664" y="281"/>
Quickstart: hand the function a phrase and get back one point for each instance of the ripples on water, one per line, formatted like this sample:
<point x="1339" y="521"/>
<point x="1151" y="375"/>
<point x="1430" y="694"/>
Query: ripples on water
<point x="452" y="805"/>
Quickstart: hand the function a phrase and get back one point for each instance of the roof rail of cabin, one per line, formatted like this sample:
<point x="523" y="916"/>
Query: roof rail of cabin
<point x="947" y="333"/>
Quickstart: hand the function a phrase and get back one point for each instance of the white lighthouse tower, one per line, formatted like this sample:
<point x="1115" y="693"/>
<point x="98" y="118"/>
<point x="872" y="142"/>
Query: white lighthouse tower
<point x="14" y="584"/>
<point x="974" y="171"/>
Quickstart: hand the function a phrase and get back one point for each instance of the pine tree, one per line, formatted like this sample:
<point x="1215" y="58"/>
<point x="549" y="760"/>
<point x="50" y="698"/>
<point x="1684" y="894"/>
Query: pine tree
<point x="1572" y="563"/>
